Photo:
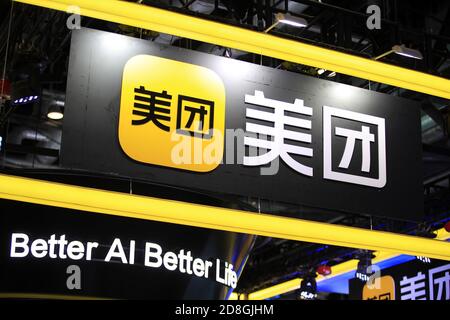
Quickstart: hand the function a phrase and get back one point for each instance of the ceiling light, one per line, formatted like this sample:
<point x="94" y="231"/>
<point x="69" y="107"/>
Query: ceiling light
<point x="286" y="18"/>
<point x="291" y="20"/>
<point x="403" y="51"/>
<point x="407" y="52"/>
<point x="55" y="115"/>
<point x="55" y="112"/>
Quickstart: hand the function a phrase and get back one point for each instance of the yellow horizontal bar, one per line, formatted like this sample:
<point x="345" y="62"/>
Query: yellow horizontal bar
<point x="177" y="24"/>
<point x="148" y="208"/>
<point x="336" y="270"/>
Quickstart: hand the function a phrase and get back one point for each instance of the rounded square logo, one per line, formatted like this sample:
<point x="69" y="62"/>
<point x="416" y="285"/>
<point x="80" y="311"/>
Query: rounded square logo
<point x="172" y="114"/>
<point x="384" y="291"/>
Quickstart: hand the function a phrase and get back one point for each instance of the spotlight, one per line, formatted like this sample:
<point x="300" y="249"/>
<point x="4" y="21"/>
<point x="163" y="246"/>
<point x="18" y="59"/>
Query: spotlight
<point x="320" y="71"/>
<point x="365" y="262"/>
<point x="308" y="288"/>
<point x="324" y="270"/>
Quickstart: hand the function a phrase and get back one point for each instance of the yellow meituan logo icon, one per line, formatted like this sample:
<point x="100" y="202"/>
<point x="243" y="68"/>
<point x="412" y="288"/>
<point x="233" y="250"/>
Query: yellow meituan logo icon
<point x="385" y="290"/>
<point x="172" y="114"/>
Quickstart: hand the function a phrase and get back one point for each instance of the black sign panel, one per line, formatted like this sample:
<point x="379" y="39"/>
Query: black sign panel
<point x="56" y="251"/>
<point x="299" y="139"/>
<point x="418" y="279"/>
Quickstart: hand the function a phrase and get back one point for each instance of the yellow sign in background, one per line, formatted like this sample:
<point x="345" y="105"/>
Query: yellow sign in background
<point x="385" y="290"/>
<point x="172" y="114"/>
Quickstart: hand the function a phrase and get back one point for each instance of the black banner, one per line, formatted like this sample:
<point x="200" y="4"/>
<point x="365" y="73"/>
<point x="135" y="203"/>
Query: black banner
<point x="138" y="109"/>
<point x="52" y="252"/>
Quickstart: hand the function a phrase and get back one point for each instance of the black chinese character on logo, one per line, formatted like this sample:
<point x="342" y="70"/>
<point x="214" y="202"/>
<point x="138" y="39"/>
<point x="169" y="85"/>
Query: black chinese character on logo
<point x="385" y="296"/>
<point x="195" y="117"/>
<point x="152" y="106"/>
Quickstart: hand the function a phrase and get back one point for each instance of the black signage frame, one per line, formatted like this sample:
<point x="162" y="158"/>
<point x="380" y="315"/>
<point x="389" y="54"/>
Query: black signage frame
<point x="91" y="120"/>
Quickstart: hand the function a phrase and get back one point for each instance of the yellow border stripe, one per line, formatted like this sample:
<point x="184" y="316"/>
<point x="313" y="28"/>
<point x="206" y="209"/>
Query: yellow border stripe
<point x="177" y="24"/>
<point x="170" y="211"/>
